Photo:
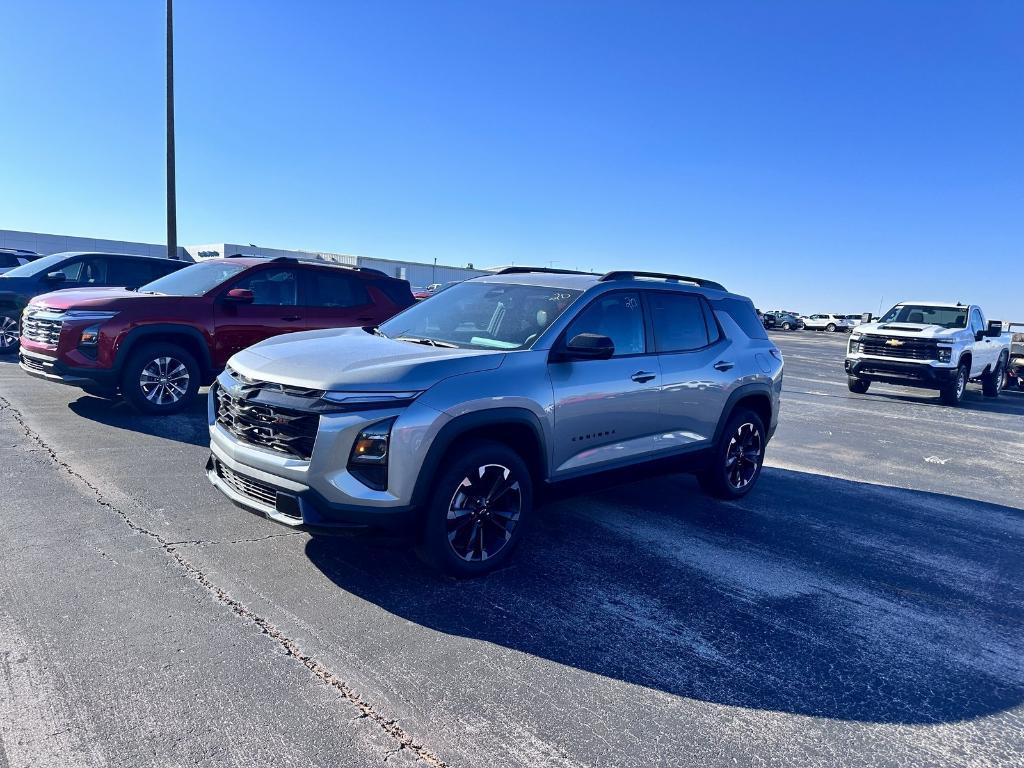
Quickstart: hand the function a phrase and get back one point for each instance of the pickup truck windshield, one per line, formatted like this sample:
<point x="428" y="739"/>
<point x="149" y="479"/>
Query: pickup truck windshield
<point x="195" y="280"/>
<point x="947" y="317"/>
<point x="481" y="316"/>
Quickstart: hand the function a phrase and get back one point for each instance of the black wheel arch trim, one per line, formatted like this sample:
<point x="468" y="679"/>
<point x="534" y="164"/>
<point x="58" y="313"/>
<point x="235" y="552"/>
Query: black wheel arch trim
<point x="138" y="335"/>
<point x="758" y="389"/>
<point x="462" y="425"/>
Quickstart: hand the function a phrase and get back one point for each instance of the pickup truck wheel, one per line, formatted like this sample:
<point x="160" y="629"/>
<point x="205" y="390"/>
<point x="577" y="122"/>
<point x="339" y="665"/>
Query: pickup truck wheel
<point x="857" y="384"/>
<point x="8" y="334"/>
<point x="476" y="514"/>
<point x="831" y="327"/>
<point x="736" y="461"/>
<point x="160" y="379"/>
<point x="953" y="393"/>
<point x="992" y="383"/>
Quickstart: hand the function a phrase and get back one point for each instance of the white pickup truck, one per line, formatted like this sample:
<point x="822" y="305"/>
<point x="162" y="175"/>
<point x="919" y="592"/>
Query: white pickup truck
<point x="932" y="345"/>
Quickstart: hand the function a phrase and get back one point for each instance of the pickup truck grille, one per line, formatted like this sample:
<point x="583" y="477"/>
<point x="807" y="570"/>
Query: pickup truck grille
<point x="42" y="326"/>
<point x="284" y="430"/>
<point x="907" y="348"/>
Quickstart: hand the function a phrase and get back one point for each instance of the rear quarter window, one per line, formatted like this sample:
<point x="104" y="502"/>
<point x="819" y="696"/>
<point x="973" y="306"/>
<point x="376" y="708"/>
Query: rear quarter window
<point x="742" y="312"/>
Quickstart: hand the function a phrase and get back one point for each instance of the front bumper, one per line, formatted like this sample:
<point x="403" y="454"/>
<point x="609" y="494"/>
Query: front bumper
<point x="52" y="369"/>
<point x="297" y="506"/>
<point x="904" y="373"/>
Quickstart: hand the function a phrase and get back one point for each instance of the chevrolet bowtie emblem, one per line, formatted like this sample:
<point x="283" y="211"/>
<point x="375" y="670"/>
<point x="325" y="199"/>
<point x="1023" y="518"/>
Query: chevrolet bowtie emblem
<point x="894" y="343"/>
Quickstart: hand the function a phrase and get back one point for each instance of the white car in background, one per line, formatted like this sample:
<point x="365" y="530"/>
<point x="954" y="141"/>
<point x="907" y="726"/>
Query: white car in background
<point x="827" y="322"/>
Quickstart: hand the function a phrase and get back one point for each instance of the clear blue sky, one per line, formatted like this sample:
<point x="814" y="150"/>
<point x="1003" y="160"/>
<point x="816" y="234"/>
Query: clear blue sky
<point x="817" y="155"/>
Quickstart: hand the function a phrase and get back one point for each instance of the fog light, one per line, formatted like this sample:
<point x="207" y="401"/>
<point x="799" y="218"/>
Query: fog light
<point x="368" y="460"/>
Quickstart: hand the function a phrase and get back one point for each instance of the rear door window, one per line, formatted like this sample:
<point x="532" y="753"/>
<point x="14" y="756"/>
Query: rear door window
<point x="679" y="321"/>
<point x="131" y="272"/>
<point x="330" y="288"/>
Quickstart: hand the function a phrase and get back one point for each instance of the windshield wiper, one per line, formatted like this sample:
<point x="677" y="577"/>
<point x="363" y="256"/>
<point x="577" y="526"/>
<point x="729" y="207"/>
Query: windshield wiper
<point x="376" y="331"/>
<point x="428" y="342"/>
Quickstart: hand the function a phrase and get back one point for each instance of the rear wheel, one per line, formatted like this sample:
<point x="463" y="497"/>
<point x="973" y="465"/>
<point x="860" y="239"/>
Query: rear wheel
<point x="160" y="379"/>
<point x="787" y="327"/>
<point x="953" y="393"/>
<point x="8" y="334"/>
<point x="992" y="383"/>
<point x="477" y="512"/>
<point x="736" y="461"/>
<point x="857" y="384"/>
<point x="831" y="327"/>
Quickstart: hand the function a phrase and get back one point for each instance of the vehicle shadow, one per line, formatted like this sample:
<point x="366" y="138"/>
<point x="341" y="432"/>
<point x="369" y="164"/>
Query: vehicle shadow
<point x="814" y="596"/>
<point x="1008" y="403"/>
<point x="188" y="426"/>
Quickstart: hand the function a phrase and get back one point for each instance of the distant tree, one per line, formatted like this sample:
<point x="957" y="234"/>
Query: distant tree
<point x="470" y="265"/>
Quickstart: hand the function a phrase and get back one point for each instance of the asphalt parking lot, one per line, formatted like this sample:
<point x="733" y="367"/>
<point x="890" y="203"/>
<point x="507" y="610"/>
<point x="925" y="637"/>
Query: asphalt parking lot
<point x="864" y="606"/>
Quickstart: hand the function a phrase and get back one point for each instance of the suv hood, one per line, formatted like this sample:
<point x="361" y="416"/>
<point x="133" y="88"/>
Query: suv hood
<point x="352" y="359"/>
<point x="97" y="298"/>
<point x="910" y="330"/>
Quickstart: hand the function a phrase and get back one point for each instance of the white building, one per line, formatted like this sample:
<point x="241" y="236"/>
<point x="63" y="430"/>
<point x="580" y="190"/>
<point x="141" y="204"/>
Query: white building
<point x="418" y="274"/>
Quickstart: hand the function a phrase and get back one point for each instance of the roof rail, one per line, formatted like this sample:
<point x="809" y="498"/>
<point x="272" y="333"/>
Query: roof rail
<point x="547" y="270"/>
<point x="632" y="274"/>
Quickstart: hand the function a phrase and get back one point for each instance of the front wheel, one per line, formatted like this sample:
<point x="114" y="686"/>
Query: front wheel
<point x="953" y="393"/>
<point x="160" y="379"/>
<point x="477" y="512"/>
<point x="787" y="327"/>
<point x="736" y="461"/>
<point x="8" y="334"/>
<point x="857" y="384"/>
<point x="992" y="383"/>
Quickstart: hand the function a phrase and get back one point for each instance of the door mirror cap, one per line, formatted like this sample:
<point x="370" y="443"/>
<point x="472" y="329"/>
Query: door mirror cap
<point x="56" y="277"/>
<point x="588" y="346"/>
<point x="995" y="329"/>
<point x="240" y="296"/>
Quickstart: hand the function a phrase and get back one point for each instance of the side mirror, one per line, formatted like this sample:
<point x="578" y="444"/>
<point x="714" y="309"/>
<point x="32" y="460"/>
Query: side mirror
<point x="588" y="346"/>
<point x="995" y="329"/>
<point x="239" y="296"/>
<point x="979" y="335"/>
<point x="56" y="277"/>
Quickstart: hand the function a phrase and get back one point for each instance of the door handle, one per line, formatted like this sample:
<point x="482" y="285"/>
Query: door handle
<point x="291" y="318"/>
<point x="642" y="377"/>
<point x="723" y="365"/>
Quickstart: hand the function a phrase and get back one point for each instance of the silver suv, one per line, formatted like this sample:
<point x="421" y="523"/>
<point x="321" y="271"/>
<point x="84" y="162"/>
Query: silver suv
<point x="448" y="419"/>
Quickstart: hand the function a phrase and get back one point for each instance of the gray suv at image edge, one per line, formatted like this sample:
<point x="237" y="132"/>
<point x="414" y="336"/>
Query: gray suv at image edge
<point x="450" y="418"/>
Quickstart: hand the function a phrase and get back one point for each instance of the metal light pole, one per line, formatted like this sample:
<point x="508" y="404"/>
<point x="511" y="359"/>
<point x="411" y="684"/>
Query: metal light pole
<point x="433" y="273"/>
<point x="172" y="213"/>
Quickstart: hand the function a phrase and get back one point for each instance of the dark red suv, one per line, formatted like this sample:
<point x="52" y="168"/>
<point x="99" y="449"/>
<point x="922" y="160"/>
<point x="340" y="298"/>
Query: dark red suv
<point x="158" y="344"/>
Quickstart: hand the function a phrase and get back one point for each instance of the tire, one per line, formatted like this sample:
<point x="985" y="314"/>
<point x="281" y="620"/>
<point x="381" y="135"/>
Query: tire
<point x="737" y="459"/>
<point x="9" y="332"/>
<point x="463" y="534"/>
<point x="953" y="393"/>
<point x="831" y="327"/>
<point x="172" y="379"/>
<point x="857" y="384"/>
<point x="992" y="383"/>
<point x="787" y="327"/>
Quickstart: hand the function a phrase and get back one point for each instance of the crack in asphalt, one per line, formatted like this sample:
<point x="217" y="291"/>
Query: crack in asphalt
<point x="318" y="669"/>
<point x="205" y="542"/>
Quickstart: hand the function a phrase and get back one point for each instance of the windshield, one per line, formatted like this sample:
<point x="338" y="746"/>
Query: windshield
<point x="37" y="267"/>
<point x="947" y="317"/>
<point x="195" y="280"/>
<point x="479" y="315"/>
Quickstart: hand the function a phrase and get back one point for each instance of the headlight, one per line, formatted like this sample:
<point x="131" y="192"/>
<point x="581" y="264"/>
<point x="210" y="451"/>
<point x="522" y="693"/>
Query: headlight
<point x="85" y="314"/>
<point x="368" y="459"/>
<point x="945" y="354"/>
<point x="363" y="400"/>
<point x="856" y="336"/>
<point x="90" y="336"/>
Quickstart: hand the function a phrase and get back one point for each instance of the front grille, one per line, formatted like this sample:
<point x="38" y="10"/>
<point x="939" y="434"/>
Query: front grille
<point x="271" y="426"/>
<point x="907" y="349"/>
<point x="42" y="326"/>
<point x="249" y="487"/>
<point x="33" y="363"/>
